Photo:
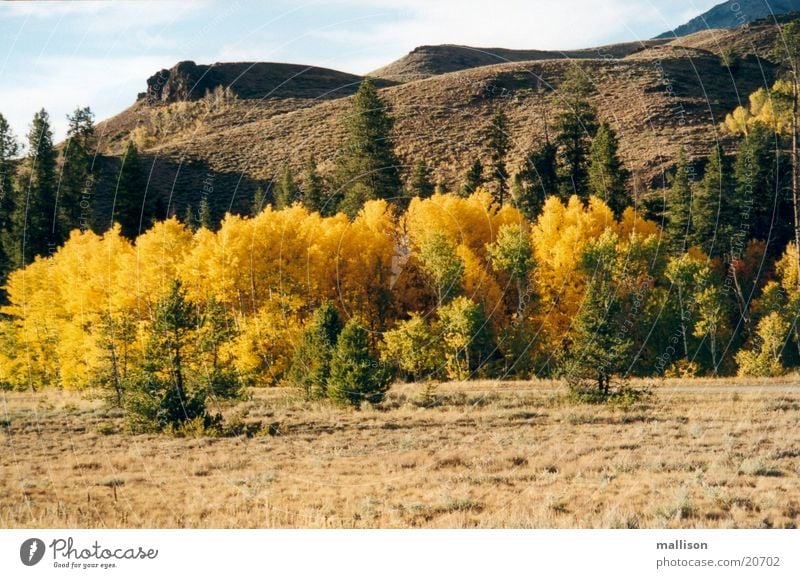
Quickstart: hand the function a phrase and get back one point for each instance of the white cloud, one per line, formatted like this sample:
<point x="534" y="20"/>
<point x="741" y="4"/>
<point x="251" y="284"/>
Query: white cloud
<point x="60" y="84"/>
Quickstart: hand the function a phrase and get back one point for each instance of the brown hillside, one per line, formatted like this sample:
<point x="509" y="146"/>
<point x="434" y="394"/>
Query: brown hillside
<point x="659" y="99"/>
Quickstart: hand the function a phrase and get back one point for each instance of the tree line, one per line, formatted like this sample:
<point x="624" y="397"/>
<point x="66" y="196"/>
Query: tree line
<point x="338" y="287"/>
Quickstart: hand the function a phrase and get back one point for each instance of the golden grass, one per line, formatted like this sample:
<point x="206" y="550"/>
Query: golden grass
<point x="702" y="453"/>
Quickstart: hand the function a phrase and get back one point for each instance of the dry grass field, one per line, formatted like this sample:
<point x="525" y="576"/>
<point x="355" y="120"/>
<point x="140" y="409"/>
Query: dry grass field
<point x="705" y="453"/>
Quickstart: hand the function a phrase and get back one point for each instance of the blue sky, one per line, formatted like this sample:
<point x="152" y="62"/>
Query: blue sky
<point x="60" y="55"/>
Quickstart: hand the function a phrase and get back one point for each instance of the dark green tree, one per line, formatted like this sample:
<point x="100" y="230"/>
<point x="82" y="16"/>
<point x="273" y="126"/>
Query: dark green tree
<point x="607" y="178"/>
<point x="498" y="141"/>
<point x="420" y="184"/>
<point x="762" y="208"/>
<point x="367" y="168"/>
<point x="285" y="189"/>
<point x="473" y="179"/>
<point x="576" y="123"/>
<point x="598" y="350"/>
<point x="204" y="215"/>
<point x="189" y="220"/>
<point x="713" y="206"/>
<point x="76" y="184"/>
<point x="356" y="374"/>
<point x="164" y="392"/>
<point x="37" y="227"/>
<point x="537" y="179"/>
<point x="314" y="191"/>
<point x="8" y="152"/>
<point x="310" y="368"/>
<point x="679" y="207"/>
<point x="133" y="209"/>
<point x="259" y="201"/>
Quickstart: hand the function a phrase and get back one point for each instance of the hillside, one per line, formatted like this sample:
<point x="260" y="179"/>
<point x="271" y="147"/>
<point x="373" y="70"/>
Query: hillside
<point x="659" y="96"/>
<point x="427" y="61"/>
<point x="734" y="13"/>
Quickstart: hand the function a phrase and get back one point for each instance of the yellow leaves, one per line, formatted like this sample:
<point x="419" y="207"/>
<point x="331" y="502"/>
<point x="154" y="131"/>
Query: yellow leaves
<point x="770" y="107"/>
<point x="559" y="238"/>
<point x="472" y="221"/>
<point x="160" y="253"/>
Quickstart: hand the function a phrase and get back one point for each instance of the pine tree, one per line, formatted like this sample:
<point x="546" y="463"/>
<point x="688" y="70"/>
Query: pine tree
<point x="189" y="220"/>
<point x="760" y="204"/>
<point x="259" y="201"/>
<point x="204" y="216"/>
<point x="8" y="151"/>
<point x="678" y="207"/>
<point x="368" y="167"/>
<point x="310" y="368"/>
<point x="77" y="183"/>
<point x="599" y="350"/>
<point x="576" y="123"/>
<point x="37" y="227"/>
<point x="713" y="211"/>
<point x="285" y="190"/>
<point x="314" y="191"/>
<point x="163" y="393"/>
<point x="356" y="375"/>
<point x="537" y="180"/>
<point x="607" y="178"/>
<point x="420" y="185"/>
<point x="473" y="179"/>
<point x="133" y="207"/>
<point x="498" y="141"/>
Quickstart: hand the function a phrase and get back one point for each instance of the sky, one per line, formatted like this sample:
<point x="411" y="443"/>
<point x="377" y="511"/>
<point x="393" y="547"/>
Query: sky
<point x="62" y="55"/>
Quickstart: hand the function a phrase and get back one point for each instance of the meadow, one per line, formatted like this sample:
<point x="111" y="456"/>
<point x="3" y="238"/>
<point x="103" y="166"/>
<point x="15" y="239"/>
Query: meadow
<point x="701" y="453"/>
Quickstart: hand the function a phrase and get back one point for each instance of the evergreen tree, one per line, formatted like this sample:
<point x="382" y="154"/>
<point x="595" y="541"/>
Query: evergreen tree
<point x="285" y="190"/>
<point x="599" y="350"/>
<point x="8" y="151"/>
<point x="713" y="211"/>
<point x="762" y="210"/>
<point x="163" y="392"/>
<point x="76" y="183"/>
<point x="678" y="207"/>
<point x="576" y="123"/>
<point x="314" y="191"/>
<point x="473" y="179"/>
<point x="204" y="216"/>
<point x="420" y="185"/>
<point x="259" y="201"/>
<point x="310" y="367"/>
<point x="37" y="228"/>
<point x="356" y="375"/>
<point x="607" y="178"/>
<point x="133" y="209"/>
<point x="368" y="167"/>
<point x="189" y="220"/>
<point x="498" y="141"/>
<point x="536" y="181"/>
